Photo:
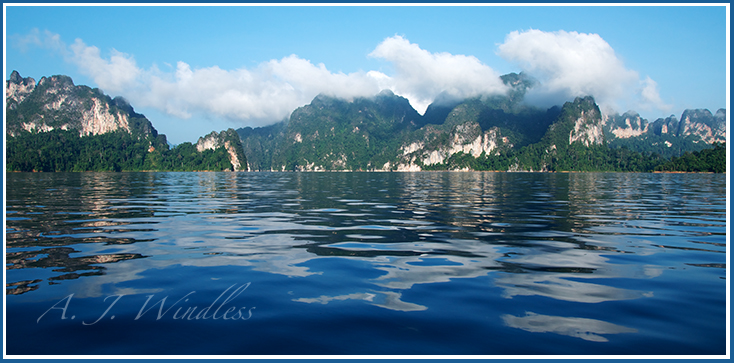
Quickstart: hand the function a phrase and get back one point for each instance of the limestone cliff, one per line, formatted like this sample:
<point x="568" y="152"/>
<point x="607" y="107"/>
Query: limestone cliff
<point x="587" y="126"/>
<point x="228" y="139"/>
<point x="580" y="122"/>
<point x="467" y="138"/>
<point x="702" y="124"/>
<point x="56" y="103"/>
<point x="698" y="125"/>
<point x="630" y="124"/>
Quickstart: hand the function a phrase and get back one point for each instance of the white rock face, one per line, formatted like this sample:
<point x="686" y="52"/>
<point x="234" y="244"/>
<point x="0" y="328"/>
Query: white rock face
<point x="213" y="141"/>
<point x="705" y="132"/>
<point x="412" y="148"/>
<point x="233" y="158"/>
<point x="208" y="142"/>
<point x="39" y="127"/>
<point x="586" y="131"/>
<point x="462" y="140"/>
<point x="99" y="119"/>
<point x="89" y="115"/>
<point x="631" y="128"/>
<point x="18" y="91"/>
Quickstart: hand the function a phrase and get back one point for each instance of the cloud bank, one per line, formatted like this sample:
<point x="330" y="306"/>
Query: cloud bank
<point x="567" y="64"/>
<point x="571" y="64"/>
<point x="421" y="75"/>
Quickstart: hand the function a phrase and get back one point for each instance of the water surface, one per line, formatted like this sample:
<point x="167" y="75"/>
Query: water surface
<point x="366" y="263"/>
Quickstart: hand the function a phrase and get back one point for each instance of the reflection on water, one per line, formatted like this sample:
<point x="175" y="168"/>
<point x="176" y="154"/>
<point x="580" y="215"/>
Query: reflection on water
<point x="386" y="240"/>
<point x="586" y="329"/>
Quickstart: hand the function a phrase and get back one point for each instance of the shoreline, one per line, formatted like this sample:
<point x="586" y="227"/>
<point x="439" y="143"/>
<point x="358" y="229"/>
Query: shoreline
<point x="373" y="171"/>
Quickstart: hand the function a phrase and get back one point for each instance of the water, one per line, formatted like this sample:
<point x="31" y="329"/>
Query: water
<point x="366" y="264"/>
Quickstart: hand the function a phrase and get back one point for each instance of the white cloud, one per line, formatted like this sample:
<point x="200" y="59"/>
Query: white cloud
<point x="651" y="96"/>
<point x="422" y="75"/>
<point x="568" y="64"/>
<point x="266" y="93"/>
<point x="117" y="74"/>
<point x="34" y="39"/>
<point x="272" y="90"/>
<point x="571" y="64"/>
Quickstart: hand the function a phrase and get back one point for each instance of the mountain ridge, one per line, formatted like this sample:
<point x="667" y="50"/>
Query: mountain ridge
<point x="55" y="125"/>
<point x="381" y="132"/>
<point x="479" y="128"/>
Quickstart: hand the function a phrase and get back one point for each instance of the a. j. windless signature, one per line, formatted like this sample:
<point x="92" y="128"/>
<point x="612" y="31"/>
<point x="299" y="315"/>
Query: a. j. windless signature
<point x="215" y="311"/>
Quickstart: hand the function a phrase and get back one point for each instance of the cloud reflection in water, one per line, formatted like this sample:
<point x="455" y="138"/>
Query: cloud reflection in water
<point x="586" y="329"/>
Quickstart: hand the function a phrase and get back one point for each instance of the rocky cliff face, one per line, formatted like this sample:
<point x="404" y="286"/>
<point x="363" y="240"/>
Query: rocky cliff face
<point x="228" y="139"/>
<point x="630" y="124"/>
<point x="702" y="124"/>
<point x="695" y="130"/>
<point x="580" y="122"/>
<point x="467" y="138"/>
<point x="56" y="103"/>
<point x="699" y="124"/>
<point x="17" y="89"/>
<point x="587" y="130"/>
<point x="497" y="132"/>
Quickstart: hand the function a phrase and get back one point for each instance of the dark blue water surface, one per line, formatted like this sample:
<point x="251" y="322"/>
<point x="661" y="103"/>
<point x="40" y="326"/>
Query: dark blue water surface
<point x="365" y="264"/>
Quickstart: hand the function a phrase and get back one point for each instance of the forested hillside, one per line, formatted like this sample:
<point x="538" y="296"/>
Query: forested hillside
<point x="482" y="133"/>
<point x="54" y="125"/>
<point x="65" y="150"/>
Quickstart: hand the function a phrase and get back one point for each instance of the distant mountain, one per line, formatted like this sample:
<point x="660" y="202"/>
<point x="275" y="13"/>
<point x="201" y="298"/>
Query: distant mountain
<point x="385" y="133"/>
<point x="333" y="134"/>
<point x="54" y="125"/>
<point x="696" y="130"/>
<point x="481" y="133"/>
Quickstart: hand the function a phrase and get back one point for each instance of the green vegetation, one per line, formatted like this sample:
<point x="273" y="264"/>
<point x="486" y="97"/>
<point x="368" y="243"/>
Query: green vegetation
<point x="708" y="160"/>
<point x="65" y="150"/>
<point x="577" y="158"/>
<point x="366" y="133"/>
<point x="335" y="134"/>
<point x="665" y="145"/>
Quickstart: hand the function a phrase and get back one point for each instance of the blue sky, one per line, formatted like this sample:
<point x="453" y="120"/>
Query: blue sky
<point x="196" y="69"/>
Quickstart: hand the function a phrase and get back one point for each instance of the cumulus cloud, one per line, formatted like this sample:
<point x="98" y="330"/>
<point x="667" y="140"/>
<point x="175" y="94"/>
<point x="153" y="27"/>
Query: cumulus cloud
<point x="651" y="96"/>
<point x="422" y="75"/>
<point x="571" y="64"/>
<point x="257" y="96"/>
<point x="116" y="74"/>
<point x="271" y="90"/>
<point x="567" y="64"/>
<point x="266" y="93"/>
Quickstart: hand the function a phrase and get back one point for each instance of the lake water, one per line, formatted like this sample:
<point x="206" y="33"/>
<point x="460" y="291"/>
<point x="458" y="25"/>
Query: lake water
<point x="366" y="264"/>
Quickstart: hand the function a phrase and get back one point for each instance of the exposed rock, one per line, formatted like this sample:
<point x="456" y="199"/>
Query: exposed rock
<point x="17" y="89"/>
<point x="699" y="123"/>
<point x="56" y="103"/>
<point x="630" y="124"/>
<point x="588" y="127"/>
<point x="703" y="124"/>
<point x="466" y="138"/>
<point x="231" y="142"/>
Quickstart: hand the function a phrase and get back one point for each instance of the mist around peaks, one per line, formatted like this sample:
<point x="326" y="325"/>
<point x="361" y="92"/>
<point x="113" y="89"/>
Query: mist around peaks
<point x="563" y="65"/>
